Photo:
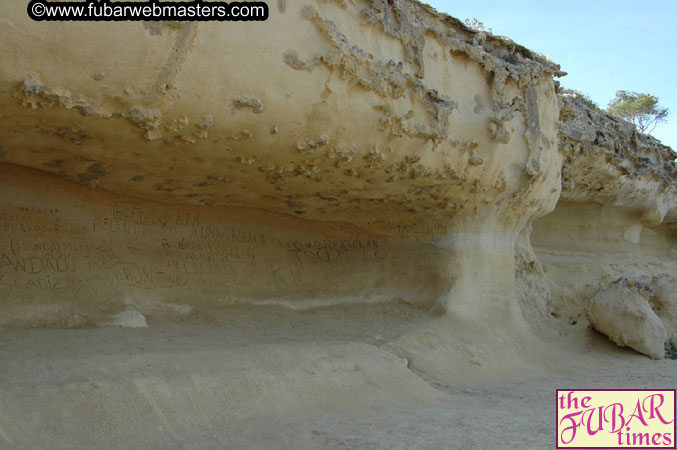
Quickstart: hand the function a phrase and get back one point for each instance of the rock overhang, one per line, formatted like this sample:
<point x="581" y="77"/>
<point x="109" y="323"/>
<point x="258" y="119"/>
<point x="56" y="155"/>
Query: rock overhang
<point x="336" y="111"/>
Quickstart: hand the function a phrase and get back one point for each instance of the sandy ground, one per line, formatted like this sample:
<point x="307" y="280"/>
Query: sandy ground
<point x="262" y="378"/>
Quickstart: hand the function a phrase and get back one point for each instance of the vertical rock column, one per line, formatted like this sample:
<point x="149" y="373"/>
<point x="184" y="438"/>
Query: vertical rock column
<point x="481" y="242"/>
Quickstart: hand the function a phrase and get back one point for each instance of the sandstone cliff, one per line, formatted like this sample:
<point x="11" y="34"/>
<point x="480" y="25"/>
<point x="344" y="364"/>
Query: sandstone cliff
<point x="614" y="222"/>
<point x="343" y="146"/>
<point x="395" y="155"/>
<point x="366" y="192"/>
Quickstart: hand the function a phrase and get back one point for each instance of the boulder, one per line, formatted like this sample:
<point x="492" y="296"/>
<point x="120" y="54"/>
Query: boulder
<point x="625" y="316"/>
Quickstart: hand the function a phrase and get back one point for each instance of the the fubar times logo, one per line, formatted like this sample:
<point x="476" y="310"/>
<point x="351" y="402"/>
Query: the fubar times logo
<point x="613" y="419"/>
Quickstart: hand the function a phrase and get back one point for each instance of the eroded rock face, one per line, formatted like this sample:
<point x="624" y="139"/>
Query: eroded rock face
<point x="74" y="256"/>
<point x="349" y="207"/>
<point x="609" y="162"/>
<point x="615" y="219"/>
<point x="341" y="153"/>
<point x="355" y="109"/>
<point x="419" y="139"/>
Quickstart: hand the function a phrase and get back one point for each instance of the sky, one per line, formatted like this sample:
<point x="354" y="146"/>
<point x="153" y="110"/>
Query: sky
<point x="603" y="45"/>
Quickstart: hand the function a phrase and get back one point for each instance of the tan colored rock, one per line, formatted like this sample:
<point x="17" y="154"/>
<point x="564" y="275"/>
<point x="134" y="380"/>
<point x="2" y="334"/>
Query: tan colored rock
<point x="339" y="81"/>
<point x="131" y="317"/>
<point x="386" y="119"/>
<point x="626" y="317"/>
<point x="351" y="209"/>
<point x="609" y="162"/>
<point x="664" y="300"/>
<point x="615" y="217"/>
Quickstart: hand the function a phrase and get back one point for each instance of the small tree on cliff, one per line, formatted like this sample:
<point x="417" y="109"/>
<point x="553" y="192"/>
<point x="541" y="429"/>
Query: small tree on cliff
<point x="641" y="109"/>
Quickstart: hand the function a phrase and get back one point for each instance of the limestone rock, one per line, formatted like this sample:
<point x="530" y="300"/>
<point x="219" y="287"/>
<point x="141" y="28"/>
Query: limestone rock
<point x="664" y="300"/>
<point x="405" y="146"/>
<point x="615" y="216"/>
<point x="131" y="317"/>
<point x="353" y="205"/>
<point x="626" y="317"/>
<point x="671" y="347"/>
<point x="609" y="162"/>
